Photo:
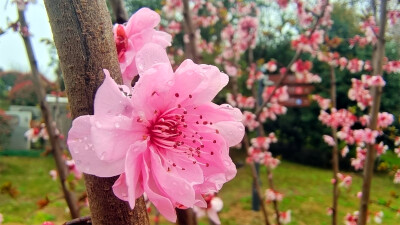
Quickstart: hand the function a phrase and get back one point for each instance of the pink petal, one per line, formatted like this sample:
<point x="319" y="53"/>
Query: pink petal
<point x="150" y="55"/>
<point x="144" y="18"/>
<point x="163" y="204"/>
<point x="174" y="186"/>
<point x="213" y="215"/>
<point x="120" y="188"/>
<point x="193" y="174"/>
<point x="110" y="100"/>
<point x="133" y="170"/>
<point x="112" y="136"/>
<point x="213" y="80"/>
<point x="232" y="131"/>
<point x="150" y="96"/>
<point x="220" y="167"/>
<point x="81" y="148"/>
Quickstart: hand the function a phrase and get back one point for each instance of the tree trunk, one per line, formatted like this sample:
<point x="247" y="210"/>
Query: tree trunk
<point x="118" y="7"/>
<point x="376" y="92"/>
<point x="85" y="45"/>
<point x="190" y="47"/>
<point x="335" y="154"/>
<point x="186" y="217"/>
<point x="54" y="141"/>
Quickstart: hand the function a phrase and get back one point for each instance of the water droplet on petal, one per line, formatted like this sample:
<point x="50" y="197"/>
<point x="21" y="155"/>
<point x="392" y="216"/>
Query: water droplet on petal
<point x="124" y="195"/>
<point x="102" y="155"/>
<point x="117" y="125"/>
<point x="98" y="124"/>
<point x="86" y="147"/>
<point x="170" y="82"/>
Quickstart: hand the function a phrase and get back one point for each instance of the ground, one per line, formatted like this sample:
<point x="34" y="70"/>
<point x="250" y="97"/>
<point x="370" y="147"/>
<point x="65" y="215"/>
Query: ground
<point x="307" y="194"/>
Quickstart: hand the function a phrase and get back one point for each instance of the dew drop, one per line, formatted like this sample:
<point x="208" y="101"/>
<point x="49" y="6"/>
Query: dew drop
<point x="124" y="195"/>
<point x="102" y="155"/>
<point x="170" y="82"/>
<point x="117" y="125"/>
<point x="86" y="147"/>
<point x="98" y="124"/>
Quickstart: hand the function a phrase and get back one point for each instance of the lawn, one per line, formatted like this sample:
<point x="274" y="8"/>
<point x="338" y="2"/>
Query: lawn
<point x="307" y="193"/>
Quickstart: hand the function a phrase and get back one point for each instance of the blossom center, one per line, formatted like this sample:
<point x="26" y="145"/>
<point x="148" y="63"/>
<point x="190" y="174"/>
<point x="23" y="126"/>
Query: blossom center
<point x="121" y="41"/>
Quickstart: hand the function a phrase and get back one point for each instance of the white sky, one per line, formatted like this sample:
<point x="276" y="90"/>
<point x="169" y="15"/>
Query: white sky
<point x="12" y="51"/>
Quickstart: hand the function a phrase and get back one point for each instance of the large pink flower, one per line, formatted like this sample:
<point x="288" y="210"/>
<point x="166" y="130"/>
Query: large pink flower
<point x="165" y="138"/>
<point x="130" y="38"/>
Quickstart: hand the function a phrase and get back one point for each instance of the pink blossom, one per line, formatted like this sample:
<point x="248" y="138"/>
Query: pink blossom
<point x="214" y="205"/>
<point x="255" y="155"/>
<point x="282" y="3"/>
<point x="271" y="66"/>
<point x="373" y="80"/>
<point x="270" y="161"/>
<point x="359" y="194"/>
<point x="351" y="219"/>
<point x="48" y="223"/>
<point x="329" y="140"/>
<point x="324" y="103"/>
<point x="342" y="62"/>
<point x="285" y="217"/>
<point x="245" y="102"/>
<point x="393" y="16"/>
<point x="72" y="169"/>
<point x="53" y="174"/>
<point x="130" y="38"/>
<point x="249" y="120"/>
<point x="344" y="151"/>
<point x="397" y="151"/>
<point x="165" y="138"/>
<point x="329" y="211"/>
<point x="385" y="119"/>
<point x="380" y="148"/>
<point x="272" y="195"/>
<point x="345" y="180"/>
<point x="1" y="219"/>
<point x="247" y="32"/>
<point x="355" y="65"/>
<point x="378" y="216"/>
<point x="263" y="142"/>
<point x="397" y="177"/>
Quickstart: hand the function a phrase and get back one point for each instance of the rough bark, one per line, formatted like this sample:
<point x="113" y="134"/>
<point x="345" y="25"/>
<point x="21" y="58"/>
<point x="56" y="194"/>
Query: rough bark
<point x="186" y="217"/>
<point x="190" y="47"/>
<point x="119" y="11"/>
<point x="376" y="92"/>
<point x="85" y="45"/>
<point x="54" y="141"/>
<point x="335" y="156"/>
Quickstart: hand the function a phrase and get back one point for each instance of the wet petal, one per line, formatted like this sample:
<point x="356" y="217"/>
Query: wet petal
<point x="81" y="148"/>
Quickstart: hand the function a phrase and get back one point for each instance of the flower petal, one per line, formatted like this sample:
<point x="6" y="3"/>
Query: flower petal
<point x="175" y="187"/>
<point x="232" y="131"/>
<point x="150" y="55"/>
<point x="81" y="148"/>
<point x="133" y="170"/>
<point x="213" y="80"/>
<point x="213" y="215"/>
<point x="112" y="136"/>
<point x="110" y="100"/>
<point x="163" y="204"/>
<point x="144" y="18"/>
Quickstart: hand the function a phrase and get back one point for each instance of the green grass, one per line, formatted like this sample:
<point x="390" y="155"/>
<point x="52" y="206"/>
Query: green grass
<point x="307" y="193"/>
